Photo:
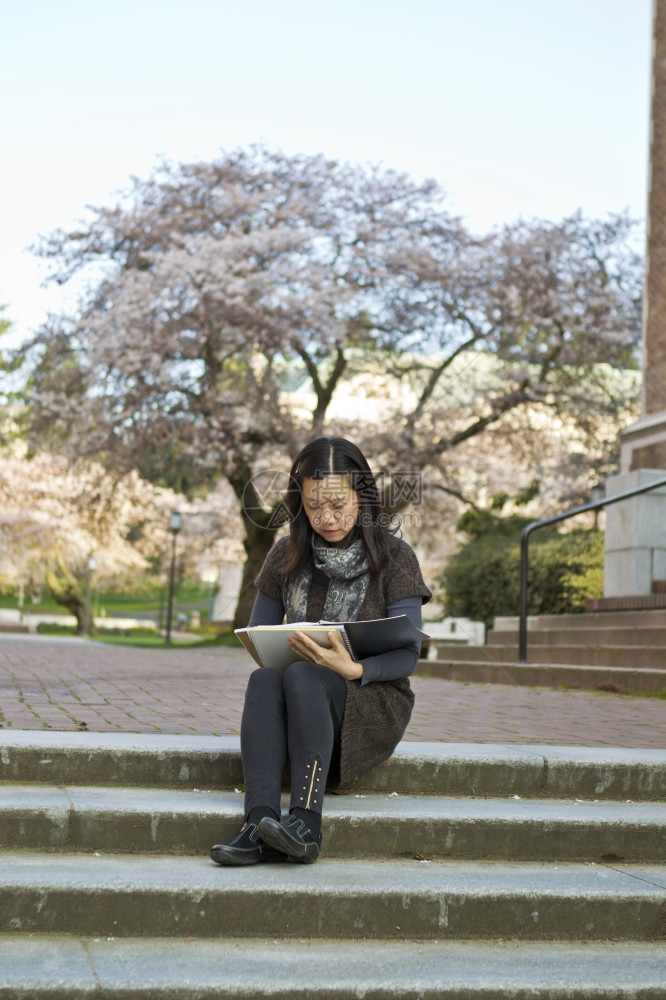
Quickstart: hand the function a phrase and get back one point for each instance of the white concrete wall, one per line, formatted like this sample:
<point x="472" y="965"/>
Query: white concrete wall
<point x="635" y="546"/>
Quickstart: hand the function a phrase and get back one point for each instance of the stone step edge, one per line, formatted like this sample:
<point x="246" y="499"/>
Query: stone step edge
<point x="641" y="602"/>
<point x="182" y="761"/>
<point x="126" y="896"/>
<point x="565" y="649"/>
<point x="456" y="970"/>
<point x="602" y="618"/>
<point x="625" y="680"/>
<point x="85" y="820"/>
<point x="650" y="636"/>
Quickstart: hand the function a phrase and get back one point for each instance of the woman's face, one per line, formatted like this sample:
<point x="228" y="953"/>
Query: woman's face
<point x="331" y="506"/>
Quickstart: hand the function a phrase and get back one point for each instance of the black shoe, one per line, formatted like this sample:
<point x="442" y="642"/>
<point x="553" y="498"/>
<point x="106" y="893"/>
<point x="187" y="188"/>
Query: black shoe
<point x="247" y="848"/>
<point x="293" y="837"/>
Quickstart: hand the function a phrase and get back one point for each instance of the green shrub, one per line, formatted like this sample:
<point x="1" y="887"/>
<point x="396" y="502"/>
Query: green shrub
<point x="482" y="580"/>
<point x="134" y="631"/>
<point x="52" y="628"/>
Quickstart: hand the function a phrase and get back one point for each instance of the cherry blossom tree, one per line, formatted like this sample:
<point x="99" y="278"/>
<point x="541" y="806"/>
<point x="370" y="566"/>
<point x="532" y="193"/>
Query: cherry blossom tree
<point x="55" y="514"/>
<point x="215" y="290"/>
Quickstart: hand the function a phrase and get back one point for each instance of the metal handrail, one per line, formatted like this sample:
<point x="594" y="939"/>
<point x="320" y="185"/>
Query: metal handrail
<point x="554" y="519"/>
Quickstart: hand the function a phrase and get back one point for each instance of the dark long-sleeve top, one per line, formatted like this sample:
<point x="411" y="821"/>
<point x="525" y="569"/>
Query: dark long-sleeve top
<point x="383" y="667"/>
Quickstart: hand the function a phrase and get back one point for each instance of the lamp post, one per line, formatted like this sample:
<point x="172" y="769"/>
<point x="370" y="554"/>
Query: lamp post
<point x="175" y="522"/>
<point x="92" y="566"/>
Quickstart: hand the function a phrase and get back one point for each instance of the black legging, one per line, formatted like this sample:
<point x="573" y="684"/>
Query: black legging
<point x="295" y="714"/>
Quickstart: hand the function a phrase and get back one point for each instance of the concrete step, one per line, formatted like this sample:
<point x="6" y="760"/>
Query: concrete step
<point x="493" y="670"/>
<point x="63" y="968"/>
<point x="629" y="657"/>
<point x="169" y="896"/>
<point x="379" y="826"/>
<point x="438" y="905"/>
<point x="616" y="636"/>
<point x="605" y="619"/>
<point x="213" y="762"/>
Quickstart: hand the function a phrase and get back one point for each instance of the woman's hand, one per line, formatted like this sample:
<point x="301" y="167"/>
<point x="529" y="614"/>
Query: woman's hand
<point x="336" y="658"/>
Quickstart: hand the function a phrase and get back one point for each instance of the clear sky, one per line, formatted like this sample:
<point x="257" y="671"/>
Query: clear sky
<point x="517" y="107"/>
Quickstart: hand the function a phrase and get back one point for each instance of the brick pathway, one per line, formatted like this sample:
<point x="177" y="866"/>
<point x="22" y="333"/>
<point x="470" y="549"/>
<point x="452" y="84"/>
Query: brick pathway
<point x="66" y="684"/>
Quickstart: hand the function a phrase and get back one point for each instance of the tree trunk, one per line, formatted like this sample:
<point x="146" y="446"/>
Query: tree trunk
<point x="65" y="590"/>
<point x="258" y="542"/>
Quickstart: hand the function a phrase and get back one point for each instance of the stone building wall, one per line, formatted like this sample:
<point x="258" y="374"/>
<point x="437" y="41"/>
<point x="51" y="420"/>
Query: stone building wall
<point x="654" y="335"/>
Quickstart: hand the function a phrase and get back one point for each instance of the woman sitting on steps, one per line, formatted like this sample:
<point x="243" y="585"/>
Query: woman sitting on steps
<point x="330" y="716"/>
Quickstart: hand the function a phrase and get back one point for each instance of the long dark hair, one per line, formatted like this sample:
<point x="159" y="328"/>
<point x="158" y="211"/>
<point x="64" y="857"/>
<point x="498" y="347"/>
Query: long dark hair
<point x="320" y="458"/>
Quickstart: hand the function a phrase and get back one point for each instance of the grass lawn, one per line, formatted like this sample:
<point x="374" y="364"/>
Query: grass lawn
<point x="147" y="602"/>
<point x="159" y="642"/>
<point x="149" y="639"/>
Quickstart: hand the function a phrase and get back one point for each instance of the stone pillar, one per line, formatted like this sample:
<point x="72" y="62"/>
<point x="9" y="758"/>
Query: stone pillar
<point x="635" y="555"/>
<point x="225" y="602"/>
<point x="654" y="328"/>
<point x="638" y="530"/>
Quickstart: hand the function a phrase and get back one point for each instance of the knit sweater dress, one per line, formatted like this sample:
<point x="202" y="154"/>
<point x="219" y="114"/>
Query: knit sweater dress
<point x="376" y="713"/>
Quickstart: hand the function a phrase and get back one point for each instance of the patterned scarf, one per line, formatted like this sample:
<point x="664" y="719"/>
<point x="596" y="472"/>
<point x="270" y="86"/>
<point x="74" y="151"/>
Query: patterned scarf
<point x="349" y="574"/>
